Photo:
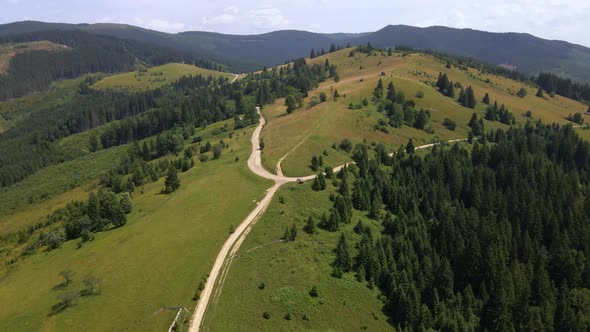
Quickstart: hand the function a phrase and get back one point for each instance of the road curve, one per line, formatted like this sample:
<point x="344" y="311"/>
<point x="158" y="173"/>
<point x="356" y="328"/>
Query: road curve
<point x="235" y="239"/>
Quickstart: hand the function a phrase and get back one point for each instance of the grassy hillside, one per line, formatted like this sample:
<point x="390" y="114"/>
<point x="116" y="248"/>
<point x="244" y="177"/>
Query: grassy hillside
<point x="155" y="77"/>
<point x="289" y="270"/>
<point x="310" y="131"/>
<point x="156" y="260"/>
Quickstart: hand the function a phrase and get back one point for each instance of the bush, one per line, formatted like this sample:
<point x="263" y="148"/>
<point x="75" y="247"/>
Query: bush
<point x="323" y="97"/>
<point x="203" y="158"/>
<point x="521" y="93"/>
<point x="313" y="101"/>
<point x="266" y="315"/>
<point x="313" y="292"/>
<point x="420" y="94"/>
<point x="449" y="124"/>
<point x="346" y="145"/>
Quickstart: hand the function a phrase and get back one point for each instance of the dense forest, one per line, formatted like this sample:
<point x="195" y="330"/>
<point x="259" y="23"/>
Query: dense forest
<point x="82" y="53"/>
<point x="190" y="101"/>
<point x="497" y="239"/>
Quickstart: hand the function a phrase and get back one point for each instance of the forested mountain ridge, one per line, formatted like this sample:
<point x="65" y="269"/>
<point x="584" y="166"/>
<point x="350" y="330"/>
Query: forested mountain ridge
<point x="84" y="53"/>
<point x="525" y="52"/>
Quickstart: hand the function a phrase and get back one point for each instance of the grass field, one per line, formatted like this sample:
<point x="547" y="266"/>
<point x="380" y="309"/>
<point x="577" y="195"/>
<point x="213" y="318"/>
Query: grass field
<point x="154" y="77"/>
<point x="319" y="127"/>
<point x="289" y="270"/>
<point x="9" y="50"/>
<point x="156" y="260"/>
<point x="25" y="202"/>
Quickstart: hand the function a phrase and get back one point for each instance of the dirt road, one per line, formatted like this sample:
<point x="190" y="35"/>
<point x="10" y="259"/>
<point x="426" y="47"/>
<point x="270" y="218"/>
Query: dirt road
<point x="234" y="241"/>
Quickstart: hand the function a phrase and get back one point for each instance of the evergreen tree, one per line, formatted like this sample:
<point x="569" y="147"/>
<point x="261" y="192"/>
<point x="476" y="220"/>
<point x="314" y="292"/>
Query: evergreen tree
<point x="312" y="54"/>
<point x="378" y="92"/>
<point x="410" y="146"/>
<point x="486" y="99"/>
<point x="470" y="98"/>
<point x="172" y="181"/>
<point x="539" y="92"/>
<point x="309" y="227"/>
<point x="343" y="261"/>
<point x="391" y="92"/>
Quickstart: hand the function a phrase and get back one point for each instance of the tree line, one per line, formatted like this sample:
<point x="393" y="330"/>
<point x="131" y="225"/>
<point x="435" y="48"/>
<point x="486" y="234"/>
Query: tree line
<point x="83" y="53"/>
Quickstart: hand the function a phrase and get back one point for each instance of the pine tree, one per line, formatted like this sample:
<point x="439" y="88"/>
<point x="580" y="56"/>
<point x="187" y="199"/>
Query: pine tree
<point x="462" y="99"/>
<point x="410" y="146"/>
<point x="319" y="183"/>
<point x="451" y="90"/>
<point x="343" y="261"/>
<point x="378" y="92"/>
<point x="309" y="227"/>
<point x="391" y="92"/>
<point x="172" y="182"/>
<point x="470" y="97"/>
<point x="486" y="99"/>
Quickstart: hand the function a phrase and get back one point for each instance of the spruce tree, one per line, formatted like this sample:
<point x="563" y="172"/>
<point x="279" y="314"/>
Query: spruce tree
<point x="312" y="54"/>
<point x="343" y="261"/>
<point x="486" y="99"/>
<point x="309" y="227"/>
<point x="539" y="92"/>
<point x="391" y="92"/>
<point x="470" y="97"/>
<point x="172" y="182"/>
<point x="410" y="146"/>
<point x="451" y="90"/>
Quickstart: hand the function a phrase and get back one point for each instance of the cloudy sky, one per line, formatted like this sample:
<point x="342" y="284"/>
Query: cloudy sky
<point x="551" y="19"/>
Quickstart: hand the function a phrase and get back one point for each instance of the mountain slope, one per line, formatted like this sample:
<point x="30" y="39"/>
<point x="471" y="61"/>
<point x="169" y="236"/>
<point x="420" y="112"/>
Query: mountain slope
<point x="528" y="53"/>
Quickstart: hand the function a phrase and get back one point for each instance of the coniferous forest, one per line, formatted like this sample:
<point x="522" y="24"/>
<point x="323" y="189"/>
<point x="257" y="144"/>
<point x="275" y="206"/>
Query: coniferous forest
<point x="495" y="239"/>
<point x="82" y="53"/>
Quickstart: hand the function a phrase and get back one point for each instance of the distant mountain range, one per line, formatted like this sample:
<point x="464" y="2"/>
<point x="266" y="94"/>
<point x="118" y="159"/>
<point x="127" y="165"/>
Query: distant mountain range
<point x="525" y="52"/>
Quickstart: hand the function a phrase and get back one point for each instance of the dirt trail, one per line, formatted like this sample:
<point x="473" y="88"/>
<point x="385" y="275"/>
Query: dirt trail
<point x="235" y="240"/>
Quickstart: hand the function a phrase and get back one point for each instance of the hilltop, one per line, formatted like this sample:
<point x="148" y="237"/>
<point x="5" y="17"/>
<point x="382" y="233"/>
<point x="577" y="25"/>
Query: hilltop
<point x="524" y="52"/>
<point x="120" y="146"/>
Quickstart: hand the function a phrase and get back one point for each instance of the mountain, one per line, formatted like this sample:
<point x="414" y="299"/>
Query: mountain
<point x="524" y="52"/>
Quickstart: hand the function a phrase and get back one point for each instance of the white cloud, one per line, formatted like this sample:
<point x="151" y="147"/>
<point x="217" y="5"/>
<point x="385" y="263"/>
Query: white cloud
<point x="265" y="18"/>
<point x="228" y="16"/>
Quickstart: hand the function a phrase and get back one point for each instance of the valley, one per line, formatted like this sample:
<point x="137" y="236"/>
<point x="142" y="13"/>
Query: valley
<point x="146" y="185"/>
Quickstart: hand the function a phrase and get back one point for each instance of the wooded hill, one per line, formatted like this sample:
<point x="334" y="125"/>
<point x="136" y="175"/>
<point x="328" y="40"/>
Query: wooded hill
<point x="82" y="53"/>
<point x="527" y="53"/>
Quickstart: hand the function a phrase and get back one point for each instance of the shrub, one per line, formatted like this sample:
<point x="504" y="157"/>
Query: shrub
<point x="313" y="292"/>
<point x="313" y="101"/>
<point x="346" y="145"/>
<point x="420" y="94"/>
<point x="203" y="158"/>
<point x="266" y="315"/>
<point x="521" y="93"/>
<point x="323" y="97"/>
<point x="449" y="124"/>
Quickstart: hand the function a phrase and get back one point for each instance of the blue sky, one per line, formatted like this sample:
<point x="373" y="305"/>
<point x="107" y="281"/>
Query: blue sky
<point x="551" y="19"/>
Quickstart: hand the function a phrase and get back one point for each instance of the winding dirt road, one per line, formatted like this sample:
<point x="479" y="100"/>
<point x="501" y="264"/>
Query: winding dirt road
<point x="234" y="241"/>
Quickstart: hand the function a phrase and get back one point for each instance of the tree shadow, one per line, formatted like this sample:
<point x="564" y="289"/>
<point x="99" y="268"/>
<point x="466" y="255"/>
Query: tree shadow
<point x="59" y="286"/>
<point x="58" y="308"/>
<point x="89" y="292"/>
